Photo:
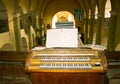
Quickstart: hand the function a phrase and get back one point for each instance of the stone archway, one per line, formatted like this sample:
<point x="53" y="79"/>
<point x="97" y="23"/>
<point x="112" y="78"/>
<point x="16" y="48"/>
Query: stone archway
<point x="63" y="16"/>
<point x="7" y="47"/>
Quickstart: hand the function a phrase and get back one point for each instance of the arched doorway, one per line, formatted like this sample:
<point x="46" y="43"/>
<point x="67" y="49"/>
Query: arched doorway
<point x="63" y="19"/>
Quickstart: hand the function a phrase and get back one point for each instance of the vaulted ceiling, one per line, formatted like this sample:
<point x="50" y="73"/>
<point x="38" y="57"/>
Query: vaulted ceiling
<point x="49" y="7"/>
<point x="40" y="6"/>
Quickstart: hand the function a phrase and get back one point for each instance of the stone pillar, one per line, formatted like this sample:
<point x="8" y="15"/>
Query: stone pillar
<point x="29" y="38"/>
<point x="99" y="27"/>
<point x="40" y="33"/>
<point x="86" y="31"/>
<point x="91" y="29"/>
<point x="112" y="31"/>
<point x="16" y="22"/>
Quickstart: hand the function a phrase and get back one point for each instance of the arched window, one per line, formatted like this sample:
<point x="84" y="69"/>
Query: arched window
<point x="107" y="9"/>
<point x="107" y="14"/>
<point x="96" y="12"/>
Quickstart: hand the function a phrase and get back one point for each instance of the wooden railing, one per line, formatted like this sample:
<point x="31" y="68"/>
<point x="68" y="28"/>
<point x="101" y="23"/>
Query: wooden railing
<point x="113" y="59"/>
<point x="13" y="55"/>
<point x="12" y="68"/>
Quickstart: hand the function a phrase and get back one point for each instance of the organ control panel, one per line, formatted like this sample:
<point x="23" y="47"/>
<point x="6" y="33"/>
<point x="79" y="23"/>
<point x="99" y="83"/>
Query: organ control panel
<point x="66" y="60"/>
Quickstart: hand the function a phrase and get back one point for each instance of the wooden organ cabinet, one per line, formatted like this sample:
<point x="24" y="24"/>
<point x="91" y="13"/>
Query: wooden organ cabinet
<point x="66" y="66"/>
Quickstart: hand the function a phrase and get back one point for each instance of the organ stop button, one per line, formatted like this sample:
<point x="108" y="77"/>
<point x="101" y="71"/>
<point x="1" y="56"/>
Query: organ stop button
<point x="97" y="63"/>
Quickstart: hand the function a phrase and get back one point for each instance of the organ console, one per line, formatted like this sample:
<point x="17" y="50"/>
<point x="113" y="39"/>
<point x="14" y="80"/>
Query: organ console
<point x="66" y="66"/>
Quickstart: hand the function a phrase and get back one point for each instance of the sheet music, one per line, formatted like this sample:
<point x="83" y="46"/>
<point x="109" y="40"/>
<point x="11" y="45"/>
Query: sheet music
<point x="64" y="37"/>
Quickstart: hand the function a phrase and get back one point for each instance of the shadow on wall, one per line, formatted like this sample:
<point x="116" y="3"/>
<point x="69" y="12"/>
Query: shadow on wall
<point x="7" y="47"/>
<point x="118" y="47"/>
<point x="24" y="44"/>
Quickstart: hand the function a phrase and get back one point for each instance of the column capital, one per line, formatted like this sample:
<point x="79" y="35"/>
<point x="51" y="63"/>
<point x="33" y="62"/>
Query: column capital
<point x="101" y="14"/>
<point x="15" y="15"/>
<point x="92" y="16"/>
